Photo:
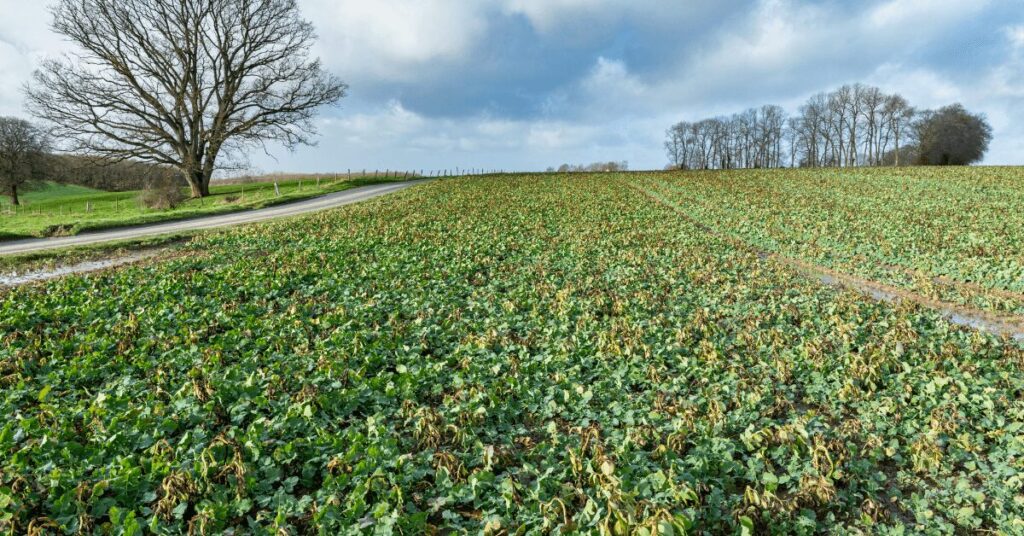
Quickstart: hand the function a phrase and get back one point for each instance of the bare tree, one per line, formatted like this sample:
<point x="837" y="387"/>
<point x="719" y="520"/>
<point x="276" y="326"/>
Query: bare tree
<point x="182" y="82"/>
<point x="23" y="155"/>
<point x="901" y="114"/>
<point x="676" y="145"/>
<point x="854" y="125"/>
<point x="851" y="126"/>
<point x="871" y="104"/>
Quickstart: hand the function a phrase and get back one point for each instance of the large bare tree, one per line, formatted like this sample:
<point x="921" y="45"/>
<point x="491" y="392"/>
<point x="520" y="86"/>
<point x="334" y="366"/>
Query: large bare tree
<point x="23" y="155"/>
<point x="182" y="82"/>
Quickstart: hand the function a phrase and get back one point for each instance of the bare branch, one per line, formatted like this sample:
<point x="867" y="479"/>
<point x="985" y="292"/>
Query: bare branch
<point x="182" y="82"/>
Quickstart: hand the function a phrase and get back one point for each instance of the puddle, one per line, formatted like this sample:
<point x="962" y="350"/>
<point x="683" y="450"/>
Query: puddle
<point x="878" y="295"/>
<point x="14" y="279"/>
<point x="983" y="325"/>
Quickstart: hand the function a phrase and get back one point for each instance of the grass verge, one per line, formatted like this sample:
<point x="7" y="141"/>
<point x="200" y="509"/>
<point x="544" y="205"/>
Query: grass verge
<point x="61" y="211"/>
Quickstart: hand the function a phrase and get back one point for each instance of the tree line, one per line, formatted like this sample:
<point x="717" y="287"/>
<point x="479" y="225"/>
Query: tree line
<point x="855" y="125"/>
<point x="596" y="167"/>
<point x="107" y="175"/>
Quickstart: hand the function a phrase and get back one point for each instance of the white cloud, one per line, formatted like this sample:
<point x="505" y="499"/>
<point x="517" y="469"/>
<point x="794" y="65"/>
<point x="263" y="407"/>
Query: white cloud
<point x="546" y="14"/>
<point x="611" y="89"/>
<point x="390" y="136"/>
<point x="1015" y="34"/>
<point x="15" y="68"/>
<point x="922" y="87"/>
<point x="706" y="57"/>
<point x="778" y="34"/>
<point x="392" y="39"/>
<point x="908" y="15"/>
<point x="589" y="16"/>
<point x="25" y="38"/>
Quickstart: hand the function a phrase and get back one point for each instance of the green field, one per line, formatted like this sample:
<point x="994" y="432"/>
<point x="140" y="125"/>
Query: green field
<point x="954" y="236"/>
<point x="49" y="192"/>
<point x="57" y="210"/>
<point x="611" y="353"/>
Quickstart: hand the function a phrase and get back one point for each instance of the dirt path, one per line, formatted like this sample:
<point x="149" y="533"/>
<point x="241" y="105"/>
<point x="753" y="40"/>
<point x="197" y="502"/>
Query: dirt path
<point x="1002" y="325"/>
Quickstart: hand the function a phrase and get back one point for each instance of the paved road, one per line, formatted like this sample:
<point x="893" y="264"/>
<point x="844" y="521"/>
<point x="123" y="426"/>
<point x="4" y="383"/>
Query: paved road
<point x="316" y="204"/>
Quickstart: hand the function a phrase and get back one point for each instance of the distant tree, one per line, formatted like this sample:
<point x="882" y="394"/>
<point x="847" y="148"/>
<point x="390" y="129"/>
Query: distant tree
<point x="752" y="139"/>
<point x="854" y="125"/>
<point x="676" y="145"/>
<point x="23" y="155"/>
<point x="182" y="82"/>
<point x="952" y="136"/>
<point x="605" y="167"/>
<point x="898" y="116"/>
<point x="596" y="167"/>
<point x="906" y="155"/>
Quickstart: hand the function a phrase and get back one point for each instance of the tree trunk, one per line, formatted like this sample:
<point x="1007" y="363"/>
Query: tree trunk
<point x="199" y="183"/>
<point x="14" y="195"/>
<point x="897" y="149"/>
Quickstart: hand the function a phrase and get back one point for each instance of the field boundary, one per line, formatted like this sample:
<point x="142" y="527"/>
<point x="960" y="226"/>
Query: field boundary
<point x="298" y="208"/>
<point x="998" y="324"/>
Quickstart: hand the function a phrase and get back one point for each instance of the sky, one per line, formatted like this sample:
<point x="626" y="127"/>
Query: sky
<point x="528" y="84"/>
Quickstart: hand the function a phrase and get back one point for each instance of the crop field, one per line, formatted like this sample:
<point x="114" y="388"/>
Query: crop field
<point x="58" y="210"/>
<point x="951" y="235"/>
<point x="610" y="353"/>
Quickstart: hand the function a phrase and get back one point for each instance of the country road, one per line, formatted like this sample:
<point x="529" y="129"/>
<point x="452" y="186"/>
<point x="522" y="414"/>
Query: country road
<point x="337" y="199"/>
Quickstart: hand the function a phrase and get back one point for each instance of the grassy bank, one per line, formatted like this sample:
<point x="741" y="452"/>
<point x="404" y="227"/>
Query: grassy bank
<point x="61" y="210"/>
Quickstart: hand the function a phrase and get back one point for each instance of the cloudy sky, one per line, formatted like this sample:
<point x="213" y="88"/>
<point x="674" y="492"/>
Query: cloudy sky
<point x="527" y="84"/>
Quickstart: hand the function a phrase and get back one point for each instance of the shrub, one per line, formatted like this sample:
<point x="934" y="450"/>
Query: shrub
<point x="162" y="194"/>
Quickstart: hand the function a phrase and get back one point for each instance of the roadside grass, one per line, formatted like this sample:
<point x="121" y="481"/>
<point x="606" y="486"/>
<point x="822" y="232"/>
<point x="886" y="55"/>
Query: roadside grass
<point x="62" y="210"/>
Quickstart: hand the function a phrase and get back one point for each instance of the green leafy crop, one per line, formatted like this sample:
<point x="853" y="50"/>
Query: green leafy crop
<point x="524" y="355"/>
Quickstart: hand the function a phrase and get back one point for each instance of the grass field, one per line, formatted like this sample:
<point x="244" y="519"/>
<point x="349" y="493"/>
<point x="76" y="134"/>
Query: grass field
<point x="57" y="210"/>
<point x="49" y="192"/>
<point x="624" y="354"/>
